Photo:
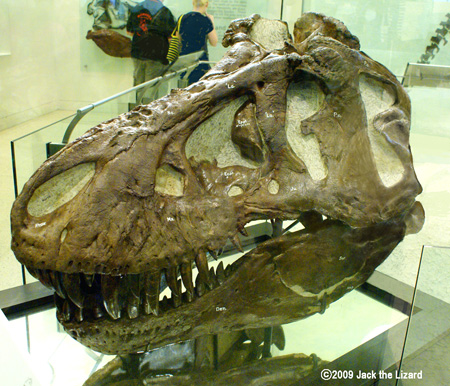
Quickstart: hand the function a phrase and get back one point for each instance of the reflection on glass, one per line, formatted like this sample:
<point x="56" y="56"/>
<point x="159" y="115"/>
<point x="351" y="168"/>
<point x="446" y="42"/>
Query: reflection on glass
<point x="428" y="331"/>
<point x="385" y="27"/>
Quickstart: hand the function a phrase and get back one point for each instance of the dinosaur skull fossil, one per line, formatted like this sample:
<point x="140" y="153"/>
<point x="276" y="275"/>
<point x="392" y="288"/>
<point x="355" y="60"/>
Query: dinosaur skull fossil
<point x="278" y="129"/>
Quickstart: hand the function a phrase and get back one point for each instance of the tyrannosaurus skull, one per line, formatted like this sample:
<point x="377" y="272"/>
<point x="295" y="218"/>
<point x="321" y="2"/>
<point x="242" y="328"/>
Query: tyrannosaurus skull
<point x="278" y="129"/>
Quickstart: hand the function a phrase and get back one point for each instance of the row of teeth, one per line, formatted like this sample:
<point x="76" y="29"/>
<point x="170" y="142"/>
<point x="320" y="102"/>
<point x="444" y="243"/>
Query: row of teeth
<point x="83" y="296"/>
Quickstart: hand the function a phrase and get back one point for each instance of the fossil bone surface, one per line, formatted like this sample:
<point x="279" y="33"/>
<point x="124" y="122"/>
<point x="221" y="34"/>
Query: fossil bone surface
<point x="309" y="128"/>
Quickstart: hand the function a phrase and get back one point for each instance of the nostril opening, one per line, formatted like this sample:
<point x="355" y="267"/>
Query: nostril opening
<point x="60" y="189"/>
<point x="260" y="84"/>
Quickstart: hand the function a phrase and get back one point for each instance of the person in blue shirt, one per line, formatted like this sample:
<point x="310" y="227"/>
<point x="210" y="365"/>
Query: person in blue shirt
<point x="196" y="30"/>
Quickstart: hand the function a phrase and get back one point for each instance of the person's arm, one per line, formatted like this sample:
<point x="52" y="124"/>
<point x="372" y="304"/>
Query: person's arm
<point x="212" y="36"/>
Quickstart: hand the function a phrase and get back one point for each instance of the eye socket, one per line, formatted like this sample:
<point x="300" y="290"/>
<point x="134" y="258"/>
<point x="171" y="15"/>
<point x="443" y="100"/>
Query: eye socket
<point x="60" y="189"/>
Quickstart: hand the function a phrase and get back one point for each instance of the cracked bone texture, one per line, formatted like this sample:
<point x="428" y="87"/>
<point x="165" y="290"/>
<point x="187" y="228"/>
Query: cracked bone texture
<point x="310" y="129"/>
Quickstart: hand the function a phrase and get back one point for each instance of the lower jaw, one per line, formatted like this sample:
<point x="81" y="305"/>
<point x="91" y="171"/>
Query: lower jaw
<point x="213" y="313"/>
<point x="258" y="290"/>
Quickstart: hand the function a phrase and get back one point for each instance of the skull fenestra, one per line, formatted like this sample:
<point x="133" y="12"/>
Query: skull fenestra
<point x="309" y="128"/>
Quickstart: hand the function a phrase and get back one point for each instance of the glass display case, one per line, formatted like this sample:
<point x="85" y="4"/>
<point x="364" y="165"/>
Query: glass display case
<point x="380" y="329"/>
<point x="428" y="329"/>
<point x="377" y="329"/>
<point x="31" y="150"/>
<point x="361" y="333"/>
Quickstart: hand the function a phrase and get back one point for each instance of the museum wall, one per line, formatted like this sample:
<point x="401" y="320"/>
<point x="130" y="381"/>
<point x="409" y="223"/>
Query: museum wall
<point x="28" y="86"/>
<point x="44" y="70"/>
<point x="86" y="74"/>
<point x="47" y="63"/>
<point x="50" y="65"/>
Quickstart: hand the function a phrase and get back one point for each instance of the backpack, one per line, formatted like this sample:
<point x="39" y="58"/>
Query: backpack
<point x="150" y="33"/>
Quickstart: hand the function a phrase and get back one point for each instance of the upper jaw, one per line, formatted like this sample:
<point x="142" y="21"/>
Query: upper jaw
<point x="83" y="296"/>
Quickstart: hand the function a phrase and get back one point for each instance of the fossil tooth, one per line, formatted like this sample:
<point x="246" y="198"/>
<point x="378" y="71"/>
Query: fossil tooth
<point x="213" y="278"/>
<point x="59" y="302"/>
<point x="229" y="270"/>
<point x="133" y="306"/>
<point x="33" y="272"/>
<point x="66" y="311"/>
<point x="243" y="232"/>
<point x="203" y="270"/>
<point x="89" y="279"/>
<point x="279" y="338"/>
<point x="79" y="314"/>
<point x="98" y="310"/>
<point x="110" y="292"/>
<point x="37" y="273"/>
<point x="213" y="254"/>
<point x="44" y="278"/>
<point x="177" y="299"/>
<point x="72" y="285"/>
<point x="133" y="300"/>
<point x="237" y="243"/>
<point x="98" y="313"/>
<point x="174" y="285"/>
<point x="220" y="273"/>
<point x="56" y="278"/>
<point x="133" y="310"/>
<point x="151" y="292"/>
<point x="323" y="303"/>
<point x="171" y="276"/>
<point x="186" y="276"/>
<point x="135" y="284"/>
<point x="200" y="287"/>
<point x="94" y="303"/>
